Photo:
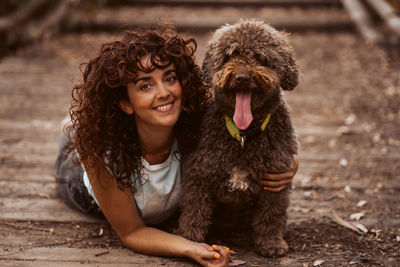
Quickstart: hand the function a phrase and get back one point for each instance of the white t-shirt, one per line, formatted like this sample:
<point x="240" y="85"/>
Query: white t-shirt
<point x="158" y="197"/>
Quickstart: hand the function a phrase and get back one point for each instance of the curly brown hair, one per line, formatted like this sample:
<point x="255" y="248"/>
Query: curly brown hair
<point x="98" y="125"/>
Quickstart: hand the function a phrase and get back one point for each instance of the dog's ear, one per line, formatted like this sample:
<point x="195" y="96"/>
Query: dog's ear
<point x="290" y="69"/>
<point x="212" y="60"/>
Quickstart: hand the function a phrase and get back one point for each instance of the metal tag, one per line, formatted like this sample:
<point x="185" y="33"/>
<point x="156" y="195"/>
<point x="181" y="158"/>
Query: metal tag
<point x="242" y="141"/>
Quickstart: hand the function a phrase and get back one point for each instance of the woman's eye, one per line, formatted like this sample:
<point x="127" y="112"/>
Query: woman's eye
<point x="171" y="79"/>
<point x="145" y="86"/>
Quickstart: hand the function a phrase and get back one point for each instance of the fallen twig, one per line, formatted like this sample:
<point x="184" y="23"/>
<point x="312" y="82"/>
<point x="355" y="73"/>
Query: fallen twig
<point x="357" y="227"/>
<point x="102" y="253"/>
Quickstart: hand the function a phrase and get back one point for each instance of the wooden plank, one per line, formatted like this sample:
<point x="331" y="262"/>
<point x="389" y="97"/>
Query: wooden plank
<point x="41" y="210"/>
<point x="29" y="234"/>
<point x="67" y="256"/>
<point x="208" y="19"/>
<point x="30" y="125"/>
<point x="25" y="175"/>
<point x="362" y="20"/>
<point x="49" y="262"/>
<point x="387" y="14"/>
<point x="24" y="235"/>
<point x="258" y="3"/>
<point x="55" y="210"/>
<point x="204" y="25"/>
<point x="33" y="190"/>
<point x="28" y="189"/>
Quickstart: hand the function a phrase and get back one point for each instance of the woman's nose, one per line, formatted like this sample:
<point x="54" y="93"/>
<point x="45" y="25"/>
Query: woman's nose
<point x="162" y="91"/>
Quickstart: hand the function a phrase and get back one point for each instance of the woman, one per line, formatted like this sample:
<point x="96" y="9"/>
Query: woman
<point x="133" y="116"/>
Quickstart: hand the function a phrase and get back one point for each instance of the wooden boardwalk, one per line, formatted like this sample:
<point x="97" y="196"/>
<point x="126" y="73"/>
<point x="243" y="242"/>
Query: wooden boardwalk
<point x="349" y="152"/>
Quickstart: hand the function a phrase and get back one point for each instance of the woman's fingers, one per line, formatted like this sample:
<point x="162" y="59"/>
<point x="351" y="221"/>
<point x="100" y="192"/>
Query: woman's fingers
<point x="275" y="189"/>
<point x="223" y="258"/>
<point x="278" y="183"/>
<point x="209" y="252"/>
<point x="276" y="186"/>
<point x="278" y="177"/>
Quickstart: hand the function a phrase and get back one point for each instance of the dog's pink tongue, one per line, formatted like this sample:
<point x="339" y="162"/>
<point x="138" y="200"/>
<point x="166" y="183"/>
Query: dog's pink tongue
<point x="243" y="116"/>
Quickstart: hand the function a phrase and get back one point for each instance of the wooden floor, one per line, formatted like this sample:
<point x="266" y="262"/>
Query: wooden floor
<point x="338" y="165"/>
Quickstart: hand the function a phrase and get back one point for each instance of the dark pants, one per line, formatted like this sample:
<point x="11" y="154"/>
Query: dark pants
<point x="69" y="178"/>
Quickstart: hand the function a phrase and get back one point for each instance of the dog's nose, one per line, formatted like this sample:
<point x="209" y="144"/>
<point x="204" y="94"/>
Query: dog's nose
<point x="242" y="77"/>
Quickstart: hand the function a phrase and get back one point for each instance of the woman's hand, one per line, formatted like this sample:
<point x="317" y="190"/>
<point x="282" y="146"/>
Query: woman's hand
<point x="210" y="256"/>
<point x="277" y="180"/>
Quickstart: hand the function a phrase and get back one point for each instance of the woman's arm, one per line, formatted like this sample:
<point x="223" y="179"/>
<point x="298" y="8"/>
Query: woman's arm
<point x="277" y="180"/>
<point x="121" y="211"/>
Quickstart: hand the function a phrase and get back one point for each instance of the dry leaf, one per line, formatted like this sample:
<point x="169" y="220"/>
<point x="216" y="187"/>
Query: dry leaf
<point x="361" y="203"/>
<point x="41" y="194"/>
<point x="377" y="232"/>
<point x="376" y="138"/>
<point x="315" y="195"/>
<point x="350" y="119"/>
<point x="236" y="262"/>
<point x="347" y="188"/>
<point x="357" y="216"/>
<point x="300" y="209"/>
<point x="343" y="162"/>
<point x="318" y="262"/>
<point x="305" y="180"/>
<point x="342" y="130"/>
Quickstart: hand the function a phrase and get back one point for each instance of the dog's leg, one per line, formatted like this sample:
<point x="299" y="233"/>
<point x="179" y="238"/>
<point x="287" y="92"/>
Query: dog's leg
<point x="269" y="223"/>
<point x="197" y="210"/>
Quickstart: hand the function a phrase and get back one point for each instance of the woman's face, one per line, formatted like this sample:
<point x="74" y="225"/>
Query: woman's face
<point x="154" y="98"/>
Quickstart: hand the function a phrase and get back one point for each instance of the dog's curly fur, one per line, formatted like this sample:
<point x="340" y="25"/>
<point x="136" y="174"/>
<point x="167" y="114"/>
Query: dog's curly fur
<point x="221" y="177"/>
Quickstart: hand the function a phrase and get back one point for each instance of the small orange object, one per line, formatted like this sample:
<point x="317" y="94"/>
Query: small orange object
<point x="227" y="250"/>
<point x="265" y="188"/>
<point x="214" y="246"/>
<point x="217" y="256"/>
<point x="211" y="249"/>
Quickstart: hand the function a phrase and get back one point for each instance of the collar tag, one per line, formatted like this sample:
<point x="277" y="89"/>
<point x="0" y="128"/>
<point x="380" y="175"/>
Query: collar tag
<point x="241" y="136"/>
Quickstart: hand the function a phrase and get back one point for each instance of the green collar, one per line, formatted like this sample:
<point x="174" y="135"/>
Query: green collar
<point x="240" y="135"/>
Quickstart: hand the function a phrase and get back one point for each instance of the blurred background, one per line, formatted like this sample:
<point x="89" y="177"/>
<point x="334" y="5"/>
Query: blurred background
<point x="345" y="207"/>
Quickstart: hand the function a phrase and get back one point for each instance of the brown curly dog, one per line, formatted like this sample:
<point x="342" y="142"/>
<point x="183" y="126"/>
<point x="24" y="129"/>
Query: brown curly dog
<point x="246" y="130"/>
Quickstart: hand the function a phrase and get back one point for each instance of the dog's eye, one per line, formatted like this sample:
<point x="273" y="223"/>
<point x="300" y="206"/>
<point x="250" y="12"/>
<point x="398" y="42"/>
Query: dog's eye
<point x="260" y="58"/>
<point x="226" y="58"/>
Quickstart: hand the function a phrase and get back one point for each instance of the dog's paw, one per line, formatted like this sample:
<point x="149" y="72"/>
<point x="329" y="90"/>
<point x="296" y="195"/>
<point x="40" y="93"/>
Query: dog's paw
<point x="272" y="248"/>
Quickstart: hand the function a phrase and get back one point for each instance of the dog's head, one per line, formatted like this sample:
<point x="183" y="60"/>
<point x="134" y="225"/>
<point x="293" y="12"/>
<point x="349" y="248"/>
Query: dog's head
<point x="246" y="64"/>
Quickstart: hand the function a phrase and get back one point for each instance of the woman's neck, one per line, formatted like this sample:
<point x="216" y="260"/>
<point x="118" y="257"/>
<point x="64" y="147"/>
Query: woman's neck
<point x="156" y="144"/>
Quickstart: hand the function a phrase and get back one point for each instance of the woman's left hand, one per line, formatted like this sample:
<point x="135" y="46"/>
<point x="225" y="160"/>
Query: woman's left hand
<point x="277" y="180"/>
<point x="209" y="256"/>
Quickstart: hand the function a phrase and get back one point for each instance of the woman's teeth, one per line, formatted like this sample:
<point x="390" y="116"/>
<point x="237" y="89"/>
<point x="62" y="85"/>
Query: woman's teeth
<point x="164" y="107"/>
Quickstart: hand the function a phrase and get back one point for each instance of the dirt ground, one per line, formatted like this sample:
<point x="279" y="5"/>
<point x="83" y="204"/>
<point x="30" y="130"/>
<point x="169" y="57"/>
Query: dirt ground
<point x="346" y="111"/>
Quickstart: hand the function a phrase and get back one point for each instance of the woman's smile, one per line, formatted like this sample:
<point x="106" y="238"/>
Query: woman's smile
<point x="165" y="107"/>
